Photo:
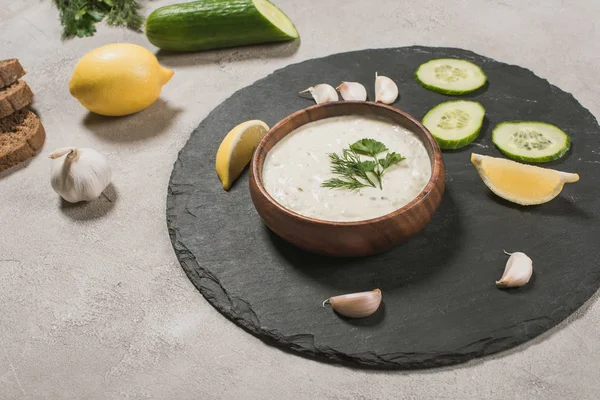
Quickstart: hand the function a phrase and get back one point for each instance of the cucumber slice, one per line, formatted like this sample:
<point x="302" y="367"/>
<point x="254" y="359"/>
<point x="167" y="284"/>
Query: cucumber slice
<point x="450" y="76"/>
<point x="531" y="141"/>
<point x="455" y="124"/>
<point x="214" y="24"/>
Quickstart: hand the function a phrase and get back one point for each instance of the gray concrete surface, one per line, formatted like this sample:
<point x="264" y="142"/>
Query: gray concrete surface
<point x="93" y="304"/>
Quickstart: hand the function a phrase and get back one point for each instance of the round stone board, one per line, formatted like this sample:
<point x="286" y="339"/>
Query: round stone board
<point x="440" y="304"/>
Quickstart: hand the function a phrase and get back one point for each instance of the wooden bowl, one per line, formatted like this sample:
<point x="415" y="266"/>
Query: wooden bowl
<point x="356" y="238"/>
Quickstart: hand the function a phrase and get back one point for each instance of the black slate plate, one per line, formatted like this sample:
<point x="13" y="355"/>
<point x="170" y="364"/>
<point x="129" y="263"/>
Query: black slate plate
<point x="440" y="303"/>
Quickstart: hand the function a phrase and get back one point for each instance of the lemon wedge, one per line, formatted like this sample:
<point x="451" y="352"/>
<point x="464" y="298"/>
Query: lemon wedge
<point x="235" y="151"/>
<point x="520" y="183"/>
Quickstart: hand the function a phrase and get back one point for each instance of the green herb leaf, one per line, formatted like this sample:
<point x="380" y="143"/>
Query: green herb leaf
<point x="340" y="165"/>
<point x="126" y="13"/>
<point x="391" y="159"/>
<point x="368" y="147"/>
<point x="80" y="13"/>
<point x="350" y="184"/>
<point x="96" y="16"/>
<point x="349" y="165"/>
<point x="366" y="166"/>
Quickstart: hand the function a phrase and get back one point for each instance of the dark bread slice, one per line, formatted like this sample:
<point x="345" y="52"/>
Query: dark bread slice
<point x="21" y="136"/>
<point x="10" y="71"/>
<point x="14" y="97"/>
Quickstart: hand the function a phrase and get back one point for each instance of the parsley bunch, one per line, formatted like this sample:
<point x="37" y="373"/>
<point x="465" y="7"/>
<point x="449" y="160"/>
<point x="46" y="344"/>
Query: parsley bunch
<point x="79" y="17"/>
<point x="357" y="173"/>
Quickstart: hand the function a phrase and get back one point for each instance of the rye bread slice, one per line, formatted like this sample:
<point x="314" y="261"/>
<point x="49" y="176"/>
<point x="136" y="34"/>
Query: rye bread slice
<point x="14" y="97"/>
<point x="10" y="71"/>
<point x="21" y="136"/>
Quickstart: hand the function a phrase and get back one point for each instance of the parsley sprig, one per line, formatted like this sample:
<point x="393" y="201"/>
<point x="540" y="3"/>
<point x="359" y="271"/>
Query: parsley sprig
<point x="357" y="173"/>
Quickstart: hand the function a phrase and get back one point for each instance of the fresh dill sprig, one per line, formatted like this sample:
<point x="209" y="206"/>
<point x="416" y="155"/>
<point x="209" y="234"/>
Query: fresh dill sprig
<point x="79" y="17"/>
<point x="350" y="164"/>
<point x="351" y="183"/>
<point x="125" y="13"/>
<point x="355" y="172"/>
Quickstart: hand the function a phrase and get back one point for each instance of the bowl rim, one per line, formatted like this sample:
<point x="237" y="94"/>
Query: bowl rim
<point x="436" y="170"/>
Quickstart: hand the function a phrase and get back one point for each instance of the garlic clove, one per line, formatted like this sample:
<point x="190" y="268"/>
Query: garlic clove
<point x="386" y="90"/>
<point x="79" y="174"/>
<point x="322" y="93"/>
<point x="352" y="91"/>
<point x="356" y="305"/>
<point x="517" y="272"/>
<point x="60" y="152"/>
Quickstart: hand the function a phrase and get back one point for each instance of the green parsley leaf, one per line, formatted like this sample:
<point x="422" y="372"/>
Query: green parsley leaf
<point x="366" y="166"/>
<point x="390" y="159"/>
<point x="368" y="147"/>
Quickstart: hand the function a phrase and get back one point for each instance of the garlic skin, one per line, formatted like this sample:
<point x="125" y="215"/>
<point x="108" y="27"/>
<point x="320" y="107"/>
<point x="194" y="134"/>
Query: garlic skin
<point x="322" y="93"/>
<point x="352" y="91"/>
<point x="356" y="305"/>
<point x="386" y="90"/>
<point x="79" y="174"/>
<point x="517" y="272"/>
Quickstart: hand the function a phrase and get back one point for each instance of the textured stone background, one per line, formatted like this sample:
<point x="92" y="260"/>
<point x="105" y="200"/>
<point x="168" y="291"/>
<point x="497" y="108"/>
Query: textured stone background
<point x="93" y="303"/>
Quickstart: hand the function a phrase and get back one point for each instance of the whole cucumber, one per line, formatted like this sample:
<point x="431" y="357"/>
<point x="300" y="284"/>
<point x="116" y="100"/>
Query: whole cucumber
<point x="212" y="24"/>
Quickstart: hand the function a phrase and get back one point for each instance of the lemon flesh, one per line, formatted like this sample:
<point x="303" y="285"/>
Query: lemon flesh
<point x="235" y="151"/>
<point x="520" y="183"/>
<point x="118" y="79"/>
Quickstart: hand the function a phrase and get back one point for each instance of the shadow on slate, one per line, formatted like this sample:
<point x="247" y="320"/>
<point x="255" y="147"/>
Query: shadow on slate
<point x="441" y="305"/>
<point x="413" y="261"/>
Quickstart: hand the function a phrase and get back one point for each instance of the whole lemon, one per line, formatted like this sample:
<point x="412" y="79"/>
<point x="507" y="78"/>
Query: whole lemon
<point x="118" y="79"/>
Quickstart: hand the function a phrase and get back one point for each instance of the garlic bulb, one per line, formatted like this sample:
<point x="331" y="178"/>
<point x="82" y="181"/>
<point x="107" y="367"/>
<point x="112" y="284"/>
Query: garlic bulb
<point x="322" y="93"/>
<point x="79" y="174"/>
<point x="356" y="305"/>
<point x="386" y="91"/>
<point x="352" y="91"/>
<point x="517" y="272"/>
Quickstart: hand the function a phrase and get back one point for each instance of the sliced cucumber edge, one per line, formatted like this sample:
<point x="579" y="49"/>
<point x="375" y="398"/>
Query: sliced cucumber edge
<point x="455" y="144"/>
<point x="277" y="18"/>
<point x="538" y="160"/>
<point x="450" y="92"/>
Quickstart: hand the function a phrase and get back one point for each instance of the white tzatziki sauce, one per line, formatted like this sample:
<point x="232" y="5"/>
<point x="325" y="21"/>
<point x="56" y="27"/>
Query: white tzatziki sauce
<point x="297" y="165"/>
